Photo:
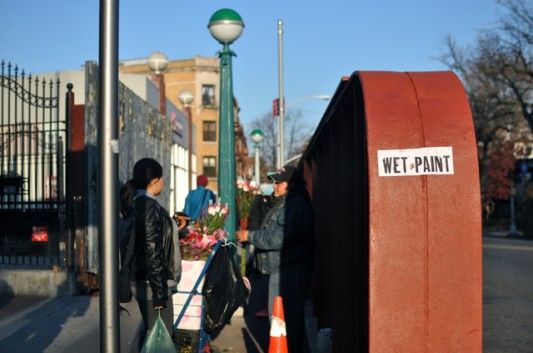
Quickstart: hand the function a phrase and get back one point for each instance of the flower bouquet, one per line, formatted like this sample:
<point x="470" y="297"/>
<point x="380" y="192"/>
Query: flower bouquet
<point x="204" y="234"/>
<point x="246" y="193"/>
<point x="247" y="190"/>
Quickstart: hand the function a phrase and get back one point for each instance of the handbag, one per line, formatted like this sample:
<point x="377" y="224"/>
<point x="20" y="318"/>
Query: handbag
<point x="124" y="286"/>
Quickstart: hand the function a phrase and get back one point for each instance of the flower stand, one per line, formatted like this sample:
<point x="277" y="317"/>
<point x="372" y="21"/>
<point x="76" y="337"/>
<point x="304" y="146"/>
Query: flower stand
<point x="192" y="319"/>
<point x="188" y="305"/>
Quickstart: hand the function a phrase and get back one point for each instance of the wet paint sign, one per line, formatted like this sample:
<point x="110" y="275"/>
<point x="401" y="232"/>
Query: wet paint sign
<point x="416" y="161"/>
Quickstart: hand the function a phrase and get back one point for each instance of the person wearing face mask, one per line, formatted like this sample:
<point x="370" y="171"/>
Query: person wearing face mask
<point x="156" y="260"/>
<point x="285" y="248"/>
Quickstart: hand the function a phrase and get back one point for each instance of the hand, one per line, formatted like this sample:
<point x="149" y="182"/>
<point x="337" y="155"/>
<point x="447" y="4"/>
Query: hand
<point x="242" y="235"/>
<point x="183" y="222"/>
<point x="182" y="219"/>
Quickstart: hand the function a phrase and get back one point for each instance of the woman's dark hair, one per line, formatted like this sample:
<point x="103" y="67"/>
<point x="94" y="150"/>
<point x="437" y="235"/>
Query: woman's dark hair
<point x="127" y="195"/>
<point x="144" y="171"/>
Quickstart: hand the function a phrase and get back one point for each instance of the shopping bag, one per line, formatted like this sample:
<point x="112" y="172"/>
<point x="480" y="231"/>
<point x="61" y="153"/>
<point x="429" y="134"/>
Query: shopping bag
<point x="158" y="340"/>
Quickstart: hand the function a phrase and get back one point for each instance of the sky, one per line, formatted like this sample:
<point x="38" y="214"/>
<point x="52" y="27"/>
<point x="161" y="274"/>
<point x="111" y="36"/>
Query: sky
<point x="323" y="40"/>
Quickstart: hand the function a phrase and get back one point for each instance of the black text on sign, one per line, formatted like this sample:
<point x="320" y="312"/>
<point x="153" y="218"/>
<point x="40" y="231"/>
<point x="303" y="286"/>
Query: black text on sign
<point x="416" y="161"/>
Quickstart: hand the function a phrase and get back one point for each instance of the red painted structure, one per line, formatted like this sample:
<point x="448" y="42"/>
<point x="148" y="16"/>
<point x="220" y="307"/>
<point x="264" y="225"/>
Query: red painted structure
<point x="398" y="264"/>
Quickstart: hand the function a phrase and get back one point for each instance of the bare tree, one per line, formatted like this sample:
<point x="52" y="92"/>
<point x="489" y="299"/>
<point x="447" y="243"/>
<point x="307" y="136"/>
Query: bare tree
<point x="498" y="69"/>
<point x="497" y="72"/>
<point x="296" y="133"/>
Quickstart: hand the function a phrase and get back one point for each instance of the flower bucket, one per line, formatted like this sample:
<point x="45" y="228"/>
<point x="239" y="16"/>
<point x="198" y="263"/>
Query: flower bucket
<point x="192" y="319"/>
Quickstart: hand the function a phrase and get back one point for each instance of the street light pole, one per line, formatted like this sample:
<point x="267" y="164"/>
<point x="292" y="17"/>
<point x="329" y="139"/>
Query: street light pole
<point x="512" y="227"/>
<point x="324" y="97"/>
<point x="257" y="176"/>
<point x="281" y="94"/>
<point x="226" y="26"/>
<point x="186" y="98"/>
<point x="257" y="137"/>
<point x="157" y="61"/>
<point x="107" y="140"/>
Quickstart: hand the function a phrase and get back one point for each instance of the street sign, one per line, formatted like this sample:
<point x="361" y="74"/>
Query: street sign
<point x="39" y="234"/>
<point x="275" y="107"/>
<point x="416" y="161"/>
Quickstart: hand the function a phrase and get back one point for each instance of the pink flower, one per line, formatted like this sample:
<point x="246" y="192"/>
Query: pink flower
<point x="205" y="233"/>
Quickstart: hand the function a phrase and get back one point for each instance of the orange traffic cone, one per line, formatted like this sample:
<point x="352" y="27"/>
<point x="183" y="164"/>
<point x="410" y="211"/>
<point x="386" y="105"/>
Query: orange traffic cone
<point x="278" y="331"/>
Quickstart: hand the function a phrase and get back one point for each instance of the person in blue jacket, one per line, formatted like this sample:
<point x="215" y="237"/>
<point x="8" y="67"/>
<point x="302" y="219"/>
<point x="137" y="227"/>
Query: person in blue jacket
<point x="198" y="199"/>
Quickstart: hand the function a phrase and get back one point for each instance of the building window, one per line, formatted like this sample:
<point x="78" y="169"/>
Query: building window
<point x="209" y="129"/>
<point x="210" y="166"/>
<point x="208" y="95"/>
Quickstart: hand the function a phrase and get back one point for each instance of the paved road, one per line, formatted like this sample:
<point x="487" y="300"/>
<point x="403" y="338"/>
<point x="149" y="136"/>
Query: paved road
<point x="507" y="296"/>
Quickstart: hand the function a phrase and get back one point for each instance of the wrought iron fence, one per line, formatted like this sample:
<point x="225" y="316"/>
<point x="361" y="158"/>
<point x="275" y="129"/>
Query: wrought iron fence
<point x="33" y="134"/>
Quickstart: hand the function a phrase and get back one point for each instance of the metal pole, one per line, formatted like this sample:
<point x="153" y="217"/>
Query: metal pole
<point x="189" y="116"/>
<point x="107" y="141"/>
<point x="257" y="164"/>
<point x="226" y="143"/>
<point x="512" y="227"/>
<point x="69" y="106"/>
<point x="162" y="94"/>
<point x="281" y="147"/>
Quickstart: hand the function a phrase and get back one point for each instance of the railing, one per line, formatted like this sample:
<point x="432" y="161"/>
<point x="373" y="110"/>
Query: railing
<point x="33" y="137"/>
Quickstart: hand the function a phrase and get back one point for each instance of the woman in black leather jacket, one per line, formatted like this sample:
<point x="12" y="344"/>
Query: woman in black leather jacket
<point x="155" y="259"/>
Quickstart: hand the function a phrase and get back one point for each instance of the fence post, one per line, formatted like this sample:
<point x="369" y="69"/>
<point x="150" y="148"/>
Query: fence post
<point x="69" y="105"/>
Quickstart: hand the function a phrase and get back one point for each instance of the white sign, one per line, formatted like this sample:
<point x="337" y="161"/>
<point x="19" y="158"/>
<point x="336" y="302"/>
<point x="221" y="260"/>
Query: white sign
<point x="416" y="161"/>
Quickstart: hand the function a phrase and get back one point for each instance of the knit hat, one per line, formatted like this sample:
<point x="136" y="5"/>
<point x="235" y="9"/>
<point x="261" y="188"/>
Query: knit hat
<point x="201" y="180"/>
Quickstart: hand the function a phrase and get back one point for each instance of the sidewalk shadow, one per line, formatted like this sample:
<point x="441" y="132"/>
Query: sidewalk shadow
<point x="37" y="329"/>
<point x="7" y="294"/>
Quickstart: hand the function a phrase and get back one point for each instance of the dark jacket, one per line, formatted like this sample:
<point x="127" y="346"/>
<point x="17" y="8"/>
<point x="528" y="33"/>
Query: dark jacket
<point x="153" y="256"/>
<point x="260" y="207"/>
<point x="286" y="236"/>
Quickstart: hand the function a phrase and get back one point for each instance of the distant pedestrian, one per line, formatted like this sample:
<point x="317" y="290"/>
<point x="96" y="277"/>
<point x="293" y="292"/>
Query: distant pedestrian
<point x="198" y="199"/>
<point x="156" y="263"/>
<point x="286" y="240"/>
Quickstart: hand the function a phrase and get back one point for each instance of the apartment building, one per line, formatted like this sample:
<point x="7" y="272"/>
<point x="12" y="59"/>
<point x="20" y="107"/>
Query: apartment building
<point x="200" y="76"/>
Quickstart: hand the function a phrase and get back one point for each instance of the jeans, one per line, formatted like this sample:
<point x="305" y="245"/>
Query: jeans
<point x="291" y="284"/>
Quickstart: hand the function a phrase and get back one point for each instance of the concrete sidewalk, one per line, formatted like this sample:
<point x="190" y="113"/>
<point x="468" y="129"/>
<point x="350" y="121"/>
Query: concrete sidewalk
<point x="71" y="324"/>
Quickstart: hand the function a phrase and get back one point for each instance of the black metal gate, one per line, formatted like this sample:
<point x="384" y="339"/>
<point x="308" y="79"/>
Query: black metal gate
<point x="33" y="136"/>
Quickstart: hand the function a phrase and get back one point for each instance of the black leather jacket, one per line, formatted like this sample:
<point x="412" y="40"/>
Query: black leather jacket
<point x="153" y="256"/>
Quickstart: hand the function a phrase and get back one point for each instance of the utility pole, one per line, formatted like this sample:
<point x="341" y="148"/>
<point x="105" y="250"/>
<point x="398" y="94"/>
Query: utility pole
<point x="281" y="147"/>
<point x="108" y="143"/>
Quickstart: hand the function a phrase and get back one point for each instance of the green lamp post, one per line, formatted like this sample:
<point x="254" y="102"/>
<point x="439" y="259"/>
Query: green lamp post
<point x="257" y="137"/>
<point x="226" y="25"/>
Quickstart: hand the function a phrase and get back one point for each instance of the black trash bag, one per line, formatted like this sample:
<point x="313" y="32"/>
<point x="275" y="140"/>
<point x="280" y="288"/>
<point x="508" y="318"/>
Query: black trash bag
<point x="224" y="291"/>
